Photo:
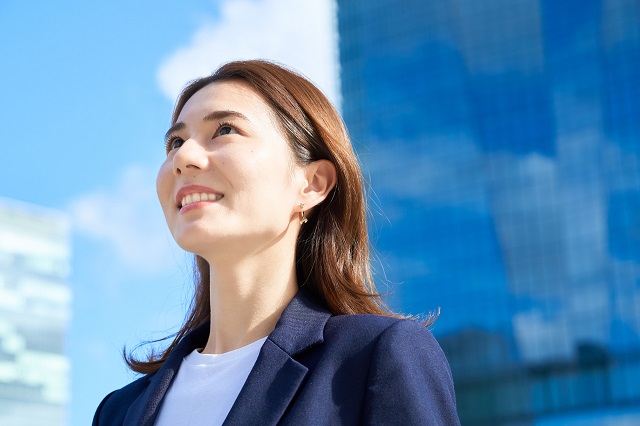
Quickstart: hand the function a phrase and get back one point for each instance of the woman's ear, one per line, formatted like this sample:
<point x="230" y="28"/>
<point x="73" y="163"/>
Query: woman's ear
<point x="321" y="177"/>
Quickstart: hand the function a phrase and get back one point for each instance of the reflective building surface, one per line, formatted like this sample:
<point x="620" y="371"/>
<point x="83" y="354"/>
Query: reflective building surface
<point x="501" y="140"/>
<point x="35" y="307"/>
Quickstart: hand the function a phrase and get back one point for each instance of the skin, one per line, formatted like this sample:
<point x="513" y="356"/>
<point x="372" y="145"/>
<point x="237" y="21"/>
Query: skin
<point x="227" y="142"/>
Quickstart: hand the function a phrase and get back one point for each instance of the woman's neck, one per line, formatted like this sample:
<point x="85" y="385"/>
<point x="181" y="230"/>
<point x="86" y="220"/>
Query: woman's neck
<point x="247" y="299"/>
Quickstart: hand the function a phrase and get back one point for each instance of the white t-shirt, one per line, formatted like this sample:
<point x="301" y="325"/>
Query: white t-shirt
<point x="206" y="386"/>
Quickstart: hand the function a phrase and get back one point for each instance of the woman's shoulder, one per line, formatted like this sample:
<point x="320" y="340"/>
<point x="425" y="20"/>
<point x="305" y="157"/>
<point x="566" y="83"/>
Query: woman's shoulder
<point x="376" y="323"/>
<point x="408" y="377"/>
<point x="379" y="328"/>
<point x="114" y="406"/>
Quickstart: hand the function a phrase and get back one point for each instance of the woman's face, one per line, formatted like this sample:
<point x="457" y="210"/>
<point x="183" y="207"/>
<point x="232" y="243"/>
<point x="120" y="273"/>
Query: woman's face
<point x="229" y="185"/>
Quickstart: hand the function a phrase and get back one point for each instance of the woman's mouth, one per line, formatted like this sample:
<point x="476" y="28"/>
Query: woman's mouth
<point x="195" y="198"/>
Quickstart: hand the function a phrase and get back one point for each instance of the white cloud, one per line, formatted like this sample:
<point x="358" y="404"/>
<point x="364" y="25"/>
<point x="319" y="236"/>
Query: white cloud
<point x="299" y="34"/>
<point x="129" y="218"/>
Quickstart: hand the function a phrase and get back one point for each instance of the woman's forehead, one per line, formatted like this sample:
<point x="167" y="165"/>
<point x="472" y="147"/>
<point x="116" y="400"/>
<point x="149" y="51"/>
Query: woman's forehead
<point x="226" y="95"/>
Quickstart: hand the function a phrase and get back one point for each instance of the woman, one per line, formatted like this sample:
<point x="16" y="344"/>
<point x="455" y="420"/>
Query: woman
<point x="262" y="184"/>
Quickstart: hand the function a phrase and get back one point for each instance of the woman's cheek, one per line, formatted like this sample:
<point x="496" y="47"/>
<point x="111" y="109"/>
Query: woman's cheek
<point x="163" y="182"/>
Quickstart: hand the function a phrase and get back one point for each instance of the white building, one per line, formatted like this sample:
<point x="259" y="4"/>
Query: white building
<point x="35" y="309"/>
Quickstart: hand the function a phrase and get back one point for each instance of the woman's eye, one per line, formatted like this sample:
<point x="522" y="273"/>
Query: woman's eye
<point x="174" y="143"/>
<point x="226" y="129"/>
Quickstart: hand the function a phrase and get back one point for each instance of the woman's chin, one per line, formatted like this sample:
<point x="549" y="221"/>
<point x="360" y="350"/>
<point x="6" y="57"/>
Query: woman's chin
<point x="194" y="246"/>
<point x="208" y="248"/>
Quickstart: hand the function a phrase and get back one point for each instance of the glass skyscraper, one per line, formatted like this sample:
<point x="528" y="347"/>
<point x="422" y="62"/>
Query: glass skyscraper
<point x="35" y="305"/>
<point x="501" y="140"/>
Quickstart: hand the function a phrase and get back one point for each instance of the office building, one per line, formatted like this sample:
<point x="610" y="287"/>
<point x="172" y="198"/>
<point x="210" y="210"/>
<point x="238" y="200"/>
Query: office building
<point x="502" y="143"/>
<point x="35" y="304"/>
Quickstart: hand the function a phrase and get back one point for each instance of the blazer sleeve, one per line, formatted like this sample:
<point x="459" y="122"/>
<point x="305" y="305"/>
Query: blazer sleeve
<point x="409" y="381"/>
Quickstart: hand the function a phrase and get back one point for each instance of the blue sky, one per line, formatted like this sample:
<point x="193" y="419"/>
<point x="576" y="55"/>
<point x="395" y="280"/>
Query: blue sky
<point x="87" y="90"/>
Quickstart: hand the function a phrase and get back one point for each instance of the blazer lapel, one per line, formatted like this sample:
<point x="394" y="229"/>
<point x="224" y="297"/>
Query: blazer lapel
<point x="276" y="376"/>
<point x="273" y="381"/>
<point x="144" y="410"/>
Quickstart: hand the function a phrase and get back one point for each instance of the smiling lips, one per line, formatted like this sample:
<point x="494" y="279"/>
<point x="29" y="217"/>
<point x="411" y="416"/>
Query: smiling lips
<point x="192" y="194"/>
<point x="203" y="196"/>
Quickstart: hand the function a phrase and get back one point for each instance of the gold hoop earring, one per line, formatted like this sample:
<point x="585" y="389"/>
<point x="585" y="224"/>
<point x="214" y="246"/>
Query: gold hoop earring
<point x="303" y="219"/>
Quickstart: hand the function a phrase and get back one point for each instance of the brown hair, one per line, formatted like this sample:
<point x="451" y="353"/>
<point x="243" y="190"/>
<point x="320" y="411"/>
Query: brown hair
<point x="332" y="252"/>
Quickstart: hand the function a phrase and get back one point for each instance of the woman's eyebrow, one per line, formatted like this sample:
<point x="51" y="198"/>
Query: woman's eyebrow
<point x="219" y="115"/>
<point x="178" y="126"/>
<point x="212" y="116"/>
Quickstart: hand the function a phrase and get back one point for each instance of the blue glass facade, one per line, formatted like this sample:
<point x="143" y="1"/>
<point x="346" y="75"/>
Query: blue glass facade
<point x="502" y="143"/>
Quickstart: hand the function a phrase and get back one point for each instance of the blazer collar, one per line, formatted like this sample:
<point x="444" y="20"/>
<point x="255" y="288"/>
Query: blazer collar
<point x="144" y="410"/>
<point x="273" y="381"/>
<point x="276" y="376"/>
<point x="301" y="324"/>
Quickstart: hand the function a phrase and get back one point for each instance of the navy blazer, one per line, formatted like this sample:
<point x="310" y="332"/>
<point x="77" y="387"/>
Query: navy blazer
<point x="317" y="369"/>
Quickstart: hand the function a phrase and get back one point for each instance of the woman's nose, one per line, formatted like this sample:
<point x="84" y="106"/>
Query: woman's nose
<point x="190" y="156"/>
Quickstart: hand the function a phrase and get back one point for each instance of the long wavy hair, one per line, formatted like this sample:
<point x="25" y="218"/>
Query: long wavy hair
<point x="332" y="250"/>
